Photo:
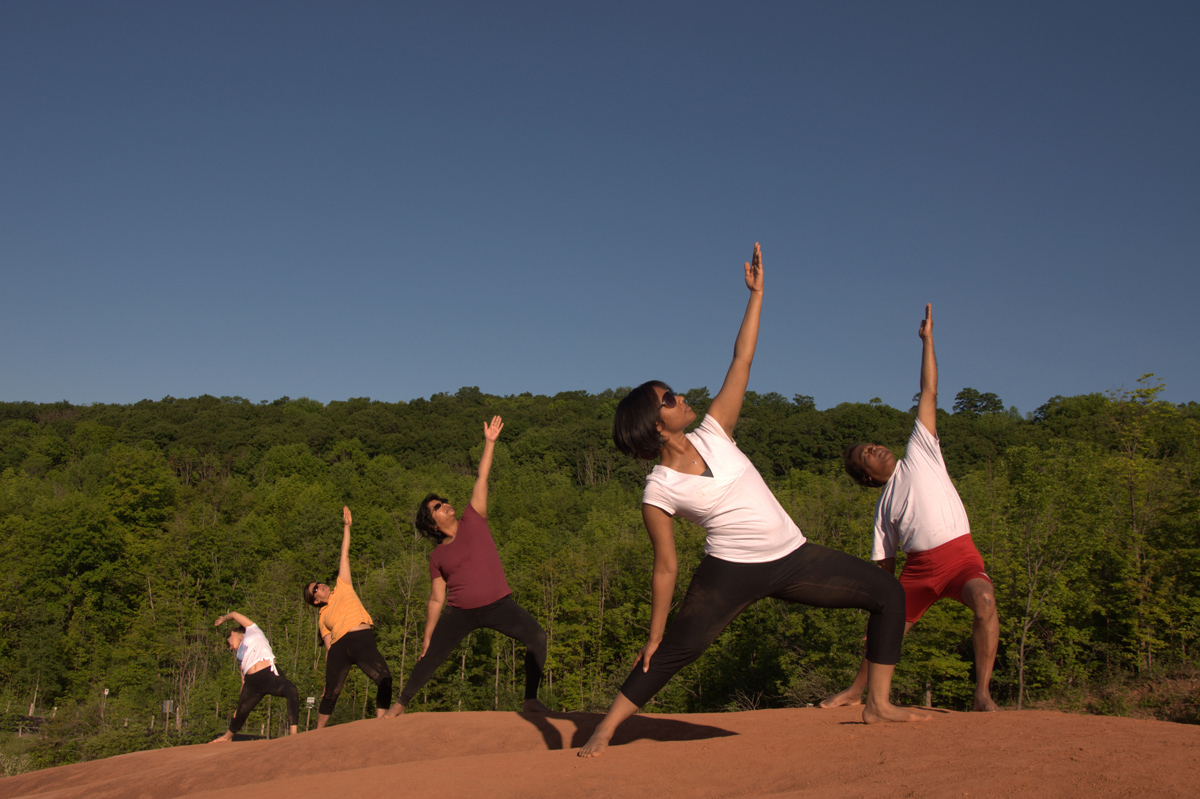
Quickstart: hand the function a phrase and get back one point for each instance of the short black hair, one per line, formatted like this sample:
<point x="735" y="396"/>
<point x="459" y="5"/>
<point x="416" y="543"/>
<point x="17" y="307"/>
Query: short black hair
<point x="635" y="430"/>
<point x="855" y="469"/>
<point x="310" y="592"/>
<point x="424" y="522"/>
<point x="238" y="629"/>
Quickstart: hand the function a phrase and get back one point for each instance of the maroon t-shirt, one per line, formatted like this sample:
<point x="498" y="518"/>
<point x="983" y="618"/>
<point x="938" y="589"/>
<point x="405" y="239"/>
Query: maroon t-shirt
<point x="470" y="565"/>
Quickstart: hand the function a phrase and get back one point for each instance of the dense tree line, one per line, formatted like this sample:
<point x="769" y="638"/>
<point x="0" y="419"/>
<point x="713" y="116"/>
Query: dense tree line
<point x="128" y="528"/>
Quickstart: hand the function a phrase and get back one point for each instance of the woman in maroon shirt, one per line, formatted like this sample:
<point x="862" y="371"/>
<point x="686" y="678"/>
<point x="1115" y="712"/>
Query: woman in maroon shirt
<point x="469" y="583"/>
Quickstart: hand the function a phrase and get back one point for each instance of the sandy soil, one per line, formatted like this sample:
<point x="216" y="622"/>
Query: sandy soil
<point x="768" y="753"/>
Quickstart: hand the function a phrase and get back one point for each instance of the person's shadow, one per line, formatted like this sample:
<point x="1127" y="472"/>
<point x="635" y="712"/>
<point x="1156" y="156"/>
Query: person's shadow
<point x="638" y="727"/>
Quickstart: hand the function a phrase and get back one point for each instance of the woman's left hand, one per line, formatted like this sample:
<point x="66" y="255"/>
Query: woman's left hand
<point x="754" y="276"/>
<point x="647" y="652"/>
<point x="491" y="432"/>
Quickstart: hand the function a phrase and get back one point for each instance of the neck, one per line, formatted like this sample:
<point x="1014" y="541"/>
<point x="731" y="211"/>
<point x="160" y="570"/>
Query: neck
<point x="450" y="531"/>
<point x="676" y="449"/>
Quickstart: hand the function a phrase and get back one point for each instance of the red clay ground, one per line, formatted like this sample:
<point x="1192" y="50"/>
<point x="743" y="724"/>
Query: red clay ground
<point x="767" y="753"/>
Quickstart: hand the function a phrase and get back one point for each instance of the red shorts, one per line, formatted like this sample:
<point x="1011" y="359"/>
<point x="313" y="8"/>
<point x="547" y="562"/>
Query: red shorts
<point x="938" y="573"/>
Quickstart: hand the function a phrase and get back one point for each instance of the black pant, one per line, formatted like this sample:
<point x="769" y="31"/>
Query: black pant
<point x="504" y="616"/>
<point x="355" y="649"/>
<point x="812" y="575"/>
<point x="265" y="683"/>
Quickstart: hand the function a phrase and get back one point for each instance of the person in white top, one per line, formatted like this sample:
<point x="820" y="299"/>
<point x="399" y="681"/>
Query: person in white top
<point x="754" y="549"/>
<point x="920" y="512"/>
<point x="260" y="675"/>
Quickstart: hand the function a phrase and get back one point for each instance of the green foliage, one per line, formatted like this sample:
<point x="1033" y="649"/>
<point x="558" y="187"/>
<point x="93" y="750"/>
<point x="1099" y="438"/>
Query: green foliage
<point x="126" y="530"/>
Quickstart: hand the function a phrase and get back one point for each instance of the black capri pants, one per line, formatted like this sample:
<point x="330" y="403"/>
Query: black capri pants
<point x="265" y="683"/>
<point x="355" y="649"/>
<point x="811" y="575"/>
<point x="503" y="616"/>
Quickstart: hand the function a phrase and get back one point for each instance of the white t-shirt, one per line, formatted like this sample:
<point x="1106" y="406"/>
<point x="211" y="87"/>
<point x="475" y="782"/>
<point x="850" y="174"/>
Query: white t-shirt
<point x="744" y="521"/>
<point x="254" y="648"/>
<point x="918" y="509"/>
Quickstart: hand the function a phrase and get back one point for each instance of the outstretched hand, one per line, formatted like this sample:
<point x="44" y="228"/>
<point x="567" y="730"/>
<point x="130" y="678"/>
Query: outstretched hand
<point x="927" y="323"/>
<point x="219" y="621"/>
<point x="754" y="277"/>
<point x="491" y="432"/>
<point x="346" y="519"/>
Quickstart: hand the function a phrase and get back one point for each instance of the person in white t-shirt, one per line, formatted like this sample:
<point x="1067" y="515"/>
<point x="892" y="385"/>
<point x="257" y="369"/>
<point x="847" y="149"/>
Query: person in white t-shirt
<point x="260" y="675"/>
<point x="753" y="548"/>
<point x="920" y="512"/>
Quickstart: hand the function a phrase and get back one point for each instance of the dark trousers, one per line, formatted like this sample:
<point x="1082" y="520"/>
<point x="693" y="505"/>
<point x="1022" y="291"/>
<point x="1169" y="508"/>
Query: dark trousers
<point x="811" y="575"/>
<point x="503" y="616"/>
<point x="355" y="649"/>
<point x="265" y="683"/>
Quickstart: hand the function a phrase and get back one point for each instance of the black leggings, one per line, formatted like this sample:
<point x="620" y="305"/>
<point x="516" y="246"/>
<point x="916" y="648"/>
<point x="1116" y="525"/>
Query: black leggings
<point x="265" y="683"/>
<point x="812" y="575"/>
<point x="504" y="616"/>
<point x="355" y="649"/>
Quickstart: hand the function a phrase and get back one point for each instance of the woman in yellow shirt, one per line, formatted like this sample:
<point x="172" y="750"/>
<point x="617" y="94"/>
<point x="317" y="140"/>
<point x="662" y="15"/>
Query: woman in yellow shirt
<point x="346" y="630"/>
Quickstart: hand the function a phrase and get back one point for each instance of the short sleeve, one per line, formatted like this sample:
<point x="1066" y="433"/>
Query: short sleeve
<point x="656" y="494"/>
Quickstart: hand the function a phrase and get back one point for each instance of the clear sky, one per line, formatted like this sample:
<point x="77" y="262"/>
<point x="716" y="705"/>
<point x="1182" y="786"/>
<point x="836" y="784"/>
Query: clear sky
<point x="391" y="200"/>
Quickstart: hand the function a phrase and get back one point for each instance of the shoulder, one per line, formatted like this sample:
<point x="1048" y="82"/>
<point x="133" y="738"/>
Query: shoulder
<point x="924" y="442"/>
<point x="710" y="428"/>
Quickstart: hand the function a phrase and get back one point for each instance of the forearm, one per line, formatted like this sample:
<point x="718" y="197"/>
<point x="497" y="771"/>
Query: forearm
<point x="929" y="373"/>
<point x="485" y="462"/>
<point x="747" y="337"/>
<point x="662" y="590"/>
<point x="433" y="612"/>
<point x="344" y="559"/>
<point x="239" y="618"/>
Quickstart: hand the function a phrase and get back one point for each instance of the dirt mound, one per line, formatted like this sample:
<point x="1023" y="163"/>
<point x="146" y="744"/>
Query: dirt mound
<point x="817" y="753"/>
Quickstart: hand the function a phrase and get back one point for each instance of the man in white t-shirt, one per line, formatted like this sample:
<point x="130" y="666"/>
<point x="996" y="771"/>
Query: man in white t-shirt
<point x="919" y="511"/>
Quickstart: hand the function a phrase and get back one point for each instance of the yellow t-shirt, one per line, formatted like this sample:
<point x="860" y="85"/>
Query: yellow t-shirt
<point x="342" y="613"/>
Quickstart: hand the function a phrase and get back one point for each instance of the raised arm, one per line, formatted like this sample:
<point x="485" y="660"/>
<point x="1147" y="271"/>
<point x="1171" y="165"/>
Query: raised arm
<point x="344" y="563"/>
<point x="491" y="432"/>
<point x="727" y="405"/>
<point x="661" y="529"/>
<point x="927" y="405"/>
<point x="239" y="618"/>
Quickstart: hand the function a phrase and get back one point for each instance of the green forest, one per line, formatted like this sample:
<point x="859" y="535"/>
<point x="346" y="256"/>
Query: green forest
<point x="127" y="529"/>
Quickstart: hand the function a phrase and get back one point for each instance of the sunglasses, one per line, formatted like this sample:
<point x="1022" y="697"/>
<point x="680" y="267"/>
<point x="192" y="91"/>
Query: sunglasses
<point x="669" y="399"/>
<point x="438" y="505"/>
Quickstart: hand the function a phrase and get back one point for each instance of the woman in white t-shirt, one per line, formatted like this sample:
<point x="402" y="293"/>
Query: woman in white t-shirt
<point x="753" y="548"/>
<point x="260" y="676"/>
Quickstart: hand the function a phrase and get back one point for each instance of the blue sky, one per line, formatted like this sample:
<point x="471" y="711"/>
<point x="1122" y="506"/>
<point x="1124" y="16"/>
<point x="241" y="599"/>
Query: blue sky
<point x="397" y="199"/>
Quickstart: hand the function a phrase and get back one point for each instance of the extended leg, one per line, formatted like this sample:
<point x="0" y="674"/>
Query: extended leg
<point x="978" y="595"/>
<point x="823" y="577"/>
<point x="337" y="668"/>
<point x="854" y="694"/>
<point x="719" y="591"/>
<point x="452" y="627"/>
<point x="511" y="619"/>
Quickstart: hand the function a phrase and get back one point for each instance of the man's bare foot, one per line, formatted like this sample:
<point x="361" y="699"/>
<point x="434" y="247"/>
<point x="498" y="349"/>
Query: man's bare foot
<point x="596" y="745"/>
<point x="224" y="739"/>
<point x="984" y="704"/>
<point x="875" y="714"/>
<point x="850" y="696"/>
<point x="533" y="706"/>
<point x="393" y="711"/>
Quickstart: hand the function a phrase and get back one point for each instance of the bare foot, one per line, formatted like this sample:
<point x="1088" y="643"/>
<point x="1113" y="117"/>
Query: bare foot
<point x="534" y="706"/>
<point x="393" y="711"/>
<point x="846" y="698"/>
<point x="596" y="745"/>
<point x="984" y="704"/>
<point x="226" y="738"/>
<point x="875" y="714"/>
